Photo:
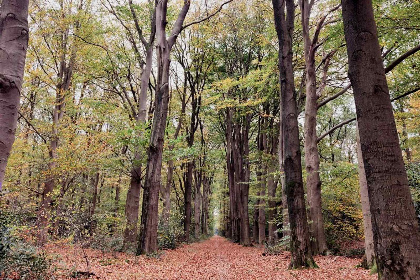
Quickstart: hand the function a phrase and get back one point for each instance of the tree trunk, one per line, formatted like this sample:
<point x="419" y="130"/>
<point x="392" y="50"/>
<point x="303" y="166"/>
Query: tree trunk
<point x="197" y="205"/>
<point x="313" y="180"/>
<point x="261" y="215"/>
<point x="299" y="242"/>
<point x="255" y="226"/>
<point x="132" y="204"/>
<point x="133" y="194"/>
<point x="13" y="43"/>
<point x="285" y="212"/>
<point x="149" y="220"/>
<point x="395" y="229"/>
<point x="187" y="199"/>
<point x="263" y="183"/>
<point x="205" y="208"/>
<point x="233" y="223"/>
<point x="272" y="205"/>
<point x="242" y="177"/>
<point x="166" y="195"/>
<point x="367" y="217"/>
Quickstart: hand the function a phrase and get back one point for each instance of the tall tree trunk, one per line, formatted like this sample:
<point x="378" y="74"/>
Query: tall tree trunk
<point x="197" y="204"/>
<point x="262" y="143"/>
<point x="272" y="205"/>
<point x="261" y="214"/>
<point x="313" y="180"/>
<point x="367" y="217"/>
<point x="133" y="194"/>
<point x="242" y="177"/>
<point x="187" y="199"/>
<point x="233" y="222"/>
<point x="13" y="43"/>
<point x="166" y="194"/>
<point x="132" y="204"/>
<point x="205" y="207"/>
<point x="149" y="219"/>
<point x="395" y="229"/>
<point x="285" y="212"/>
<point x="299" y="241"/>
<point x="255" y="225"/>
<point x="95" y="184"/>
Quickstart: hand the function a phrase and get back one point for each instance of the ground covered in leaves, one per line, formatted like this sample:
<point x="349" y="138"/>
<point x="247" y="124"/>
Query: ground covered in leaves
<point x="216" y="258"/>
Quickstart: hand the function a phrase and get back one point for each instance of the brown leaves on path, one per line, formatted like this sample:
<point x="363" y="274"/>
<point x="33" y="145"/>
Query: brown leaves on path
<point x="216" y="258"/>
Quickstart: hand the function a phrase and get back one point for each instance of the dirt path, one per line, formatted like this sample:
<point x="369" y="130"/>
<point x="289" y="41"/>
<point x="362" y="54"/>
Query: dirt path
<point x="216" y="258"/>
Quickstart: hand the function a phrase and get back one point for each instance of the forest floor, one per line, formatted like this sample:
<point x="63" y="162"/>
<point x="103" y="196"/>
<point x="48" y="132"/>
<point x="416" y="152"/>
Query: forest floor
<point x="215" y="258"/>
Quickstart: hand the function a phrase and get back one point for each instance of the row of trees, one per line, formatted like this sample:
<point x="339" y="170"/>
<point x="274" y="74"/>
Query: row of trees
<point x="103" y="107"/>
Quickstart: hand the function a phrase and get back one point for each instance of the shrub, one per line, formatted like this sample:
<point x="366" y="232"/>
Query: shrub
<point x="18" y="259"/>
<point x="341" y="205"/>
<point x="170" y="237"/>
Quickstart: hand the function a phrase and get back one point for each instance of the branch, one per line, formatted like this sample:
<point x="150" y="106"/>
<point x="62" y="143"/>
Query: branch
<point x="208" y="17"/>
<point x="401" y="58"/>
<point x="334" y="128"/>
<point x="331" y="98"/>
<point x="405" y="94"/>
<point x="33" y="127"/>
<point x="353" y="119"/>
<point x="137" y="25"/>
<point x="178" y="23"/>
<point x="387" y="69"/>
<point x="321" y="24"/>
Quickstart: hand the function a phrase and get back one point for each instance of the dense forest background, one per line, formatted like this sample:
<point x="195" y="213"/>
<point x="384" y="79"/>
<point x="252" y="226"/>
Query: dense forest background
<point x="78" y="164"/>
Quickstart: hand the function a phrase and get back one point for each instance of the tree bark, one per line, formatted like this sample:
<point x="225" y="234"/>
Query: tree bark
<point x="299" y="233"/>
<point x="367" y="217"/>
<point x="395" y="229"/>
<point x="13" y="45"/>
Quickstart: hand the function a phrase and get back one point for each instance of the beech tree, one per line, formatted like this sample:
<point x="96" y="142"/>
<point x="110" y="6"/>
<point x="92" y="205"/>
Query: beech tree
<point x="284" y="13"/>
<point x="149" y="217"/>
<point x="395" y="229"/>
<point x="14" y="37"/>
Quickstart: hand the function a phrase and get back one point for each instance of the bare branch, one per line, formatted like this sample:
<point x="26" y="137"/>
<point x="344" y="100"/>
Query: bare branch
<point x="334" y="128"/>
<point x="33" y="127"/>
<point x="353" y="119"/>
<point x="208" y="17"/>
<point x="405" y="94"/>
<point x="401" y="58"/>
<point x="331" y="98"/>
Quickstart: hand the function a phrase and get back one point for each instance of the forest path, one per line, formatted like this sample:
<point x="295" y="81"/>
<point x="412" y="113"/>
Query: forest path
<point x="215" y="258"/>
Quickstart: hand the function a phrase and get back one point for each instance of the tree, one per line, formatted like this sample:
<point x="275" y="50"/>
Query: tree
<point x="299" y="233"/>
<point x="395" y="228"/>
<point x="13" y="45"/>
<point x="149" y="217"/>
<point x="312" y="160"/>
<point x="133" y="194"/>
